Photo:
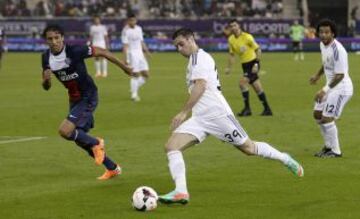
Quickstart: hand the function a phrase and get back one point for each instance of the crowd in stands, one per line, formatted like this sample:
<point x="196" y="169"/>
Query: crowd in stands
<point x="155" y="8"/>
<point x="68" y="8"/>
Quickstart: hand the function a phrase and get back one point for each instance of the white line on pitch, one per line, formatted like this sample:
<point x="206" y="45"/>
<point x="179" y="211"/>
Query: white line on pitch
<point x="21" y="140"/>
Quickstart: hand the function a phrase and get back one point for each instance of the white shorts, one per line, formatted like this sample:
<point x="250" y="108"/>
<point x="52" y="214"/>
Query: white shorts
<point x="333" y="104"/>
<point x="225" y="128"/>
<point x="138" y="62"/>
<point x="100" y="44"/>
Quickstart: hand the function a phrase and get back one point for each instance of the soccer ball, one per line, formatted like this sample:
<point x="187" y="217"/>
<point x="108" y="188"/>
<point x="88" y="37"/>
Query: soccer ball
<point x="144" y="199"/>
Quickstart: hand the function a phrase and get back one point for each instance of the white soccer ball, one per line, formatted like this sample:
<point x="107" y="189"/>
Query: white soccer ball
<point x="144" y="199"/>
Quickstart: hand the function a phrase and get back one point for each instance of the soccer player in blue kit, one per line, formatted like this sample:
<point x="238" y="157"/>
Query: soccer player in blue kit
<point x="66" y="62"/>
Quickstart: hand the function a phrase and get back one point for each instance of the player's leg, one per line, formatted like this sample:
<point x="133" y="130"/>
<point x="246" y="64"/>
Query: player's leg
<point x="244" y="88"/>
<point x="256" y="84"/>
<point x="104" y="67"/>
<point x="229" y="129"/>
<point x="186" y="135"/>
<point x="296" y="50"/>
<point x="177" y="143"/>
<point x="97" y="67"/>
<point x="134" y="87"/>
<point x="301" y="51"/>
<point x="143" y="68"/>
<point x="79" y="121"/>
<point x="332" y="109"/>
<point x="144" y="76"/>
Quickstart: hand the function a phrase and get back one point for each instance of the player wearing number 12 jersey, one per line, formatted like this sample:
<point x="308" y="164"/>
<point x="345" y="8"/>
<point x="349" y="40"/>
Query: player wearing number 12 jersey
<point x="67" y="64"/>
<point x="211" y="115"/>
<point x="331" y="99"/>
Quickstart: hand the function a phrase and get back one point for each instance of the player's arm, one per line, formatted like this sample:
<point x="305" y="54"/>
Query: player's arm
<point x="46" y="79"/>
<point x="107" y="41"/>
<point x="231" y="61"/>
<point x="317" y="76"/>
<point x="145" y="48"/>
<point x="125" y="52"/>
<point x="99" y="52"/>
<point x="196" y="93"/>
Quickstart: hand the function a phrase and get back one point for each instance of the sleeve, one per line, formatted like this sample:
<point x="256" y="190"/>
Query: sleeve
<point x="45" y="61"/>
<point x="200" y="67"/>
<point x="340" y="61"/>
<point x="124" y="38"/>
<point x="105" y="31"/>
<point x="83" y="52"/>
<point x="252" y="43"/>
<point x="141" y="34"/>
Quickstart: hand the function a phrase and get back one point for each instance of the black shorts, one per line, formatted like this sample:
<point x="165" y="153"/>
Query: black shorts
<point x="247" y="68"/>
<point x="297" y="45"/>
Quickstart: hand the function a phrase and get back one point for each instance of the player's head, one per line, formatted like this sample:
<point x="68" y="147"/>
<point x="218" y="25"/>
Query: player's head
<point x="131" y="20"/>
<point x="296" y="22"/>
<point x="234" y="26"/>
<point x="97" y="20"/>
<point x="326" y="30"/>
<point x="54" y="36"/>
<point x="184" y="41"/>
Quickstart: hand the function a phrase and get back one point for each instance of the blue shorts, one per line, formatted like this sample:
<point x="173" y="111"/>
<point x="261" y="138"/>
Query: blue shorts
<point x="81" y="113"/>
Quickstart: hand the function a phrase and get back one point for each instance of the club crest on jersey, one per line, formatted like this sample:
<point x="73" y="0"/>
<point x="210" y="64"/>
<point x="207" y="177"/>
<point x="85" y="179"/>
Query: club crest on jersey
<point x="65" y="77"/>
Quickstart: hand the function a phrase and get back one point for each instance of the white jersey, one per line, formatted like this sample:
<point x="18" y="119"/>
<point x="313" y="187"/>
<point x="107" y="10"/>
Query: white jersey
<point x="133" y="37"/>
<point x="98" y="34"/>
<point x="212" y="104"/>
<point x="335" y="60"/>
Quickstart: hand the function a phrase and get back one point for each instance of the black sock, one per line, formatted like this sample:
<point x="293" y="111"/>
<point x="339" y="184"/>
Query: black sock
<point x="262" y="98"/>
<point x="245" y="95"/>
<point x="109" y="164"/>
<point x="81" y="137"/>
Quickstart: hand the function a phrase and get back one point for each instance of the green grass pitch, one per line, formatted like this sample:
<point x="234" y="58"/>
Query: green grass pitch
<point x="52" y="178"/>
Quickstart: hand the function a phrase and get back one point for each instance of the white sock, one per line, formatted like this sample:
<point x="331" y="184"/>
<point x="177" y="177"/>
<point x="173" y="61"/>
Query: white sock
<point x="177" y="170"/>
<point x="97" y="67"/>
<point x="104" y="67"/>
<point x="331" y="136"/>
<point x="134" y="86"/>
<point x="323" y="133"/>
<point x="141" y="81"/>
<point x="302" y="56"/>
<point x="265" y="150"/>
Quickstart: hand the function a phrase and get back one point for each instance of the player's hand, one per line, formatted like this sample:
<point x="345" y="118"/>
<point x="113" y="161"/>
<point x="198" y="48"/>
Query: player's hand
<point x="128" y="70"/>
<point x="227" y="71"/>
<point x="314" y="79"/>
<point x="177" y="120"/>
<point x="320" y="95"/>
<point x="255" y="68"/>
<point x="47" y="75"/>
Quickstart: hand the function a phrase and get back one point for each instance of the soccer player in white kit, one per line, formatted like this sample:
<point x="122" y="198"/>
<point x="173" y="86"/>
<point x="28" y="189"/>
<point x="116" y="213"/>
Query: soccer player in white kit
<point x="134" y="48"/>
<point x="331" y="99"/>
<point x="211" y="115"/>
<point x="99" y="38"/>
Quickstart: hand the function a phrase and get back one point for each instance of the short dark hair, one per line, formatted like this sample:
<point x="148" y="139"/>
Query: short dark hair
<point x="233" y="21"/>
<point x="327" y="23"/>
<point x="186" y="32"/>
<point x="53" y="27"/>
<point x="131" y="15"/>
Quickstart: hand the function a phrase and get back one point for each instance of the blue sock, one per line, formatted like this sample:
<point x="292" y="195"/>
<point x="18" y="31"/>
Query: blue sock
<point x="109" y="164"/>
<point x="80" y="137"/>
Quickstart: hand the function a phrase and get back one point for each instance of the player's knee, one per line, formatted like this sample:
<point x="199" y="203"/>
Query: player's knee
<point x="243" y="82"/>
<point x="248" y="147"/>
<point x="65" y="133"/>
<point x="317" y="115"/>
<point x="326" y="119"/>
